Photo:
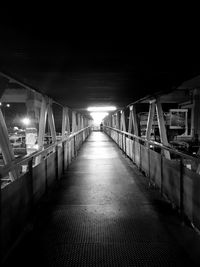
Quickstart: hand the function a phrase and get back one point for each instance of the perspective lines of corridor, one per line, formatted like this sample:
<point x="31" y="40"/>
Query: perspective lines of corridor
<point x="103" y="213"/>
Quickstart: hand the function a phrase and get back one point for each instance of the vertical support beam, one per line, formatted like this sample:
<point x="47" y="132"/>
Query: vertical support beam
<point x="82" y="122"/>
<point x="42" y="123"/>
<point x="133" y="124"/>
<point x="65" y="122"/>
<point x="74" y="125"/>
<point x="122" y="122"/>
<point x="7" y="151"/>
<point x="117" y="120"/>
<point x="130" y="121"/>
<point x="42" y="126"/>
<point x="150" y="120"/>
<point x="148" y="133"/>
<point x="109" y="121"/>
<point x="85" y="122"/>
<point x="51" y="121"/>
<point x="79" y="122"/>
<point x="113" y="121"/>
<point x="78" y="129"/>
<point x="162" y="128"/>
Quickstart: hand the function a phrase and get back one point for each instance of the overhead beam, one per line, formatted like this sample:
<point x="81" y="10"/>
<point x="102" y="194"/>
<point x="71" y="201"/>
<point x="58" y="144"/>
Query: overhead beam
<point x="177" y="96"/>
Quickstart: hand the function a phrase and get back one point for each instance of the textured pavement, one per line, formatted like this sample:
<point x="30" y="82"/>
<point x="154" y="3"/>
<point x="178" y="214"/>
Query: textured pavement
<point x="103" y="213"/>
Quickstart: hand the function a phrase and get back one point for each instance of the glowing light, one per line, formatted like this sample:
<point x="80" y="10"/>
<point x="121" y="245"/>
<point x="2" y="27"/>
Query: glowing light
<point x="106" y="108"/>
<point x="36" y="146"/>
<point x="26" y="121"/>
<point x="0" y="104"/>
<point x="98" y="116"/>
<point x="7" y="105"/>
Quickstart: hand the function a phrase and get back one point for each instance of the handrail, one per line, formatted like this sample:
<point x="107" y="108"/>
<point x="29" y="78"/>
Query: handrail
<point x="170" y="149"/>
<point x="18" y="162"/>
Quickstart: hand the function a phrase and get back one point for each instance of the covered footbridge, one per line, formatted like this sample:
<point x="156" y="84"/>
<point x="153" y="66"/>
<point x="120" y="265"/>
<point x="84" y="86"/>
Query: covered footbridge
<point x="76" y="194"/>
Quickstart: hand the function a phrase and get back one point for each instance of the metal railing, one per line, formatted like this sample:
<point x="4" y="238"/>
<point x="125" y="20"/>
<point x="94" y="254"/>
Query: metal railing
<point x="177" y="178"/>
<point x="77" y="138"/>
<point x="43" y="169"/>
<point x="157" y="144"/>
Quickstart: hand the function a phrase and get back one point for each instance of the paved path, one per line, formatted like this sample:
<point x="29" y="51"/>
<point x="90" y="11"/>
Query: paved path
<point x="102" y="213"/>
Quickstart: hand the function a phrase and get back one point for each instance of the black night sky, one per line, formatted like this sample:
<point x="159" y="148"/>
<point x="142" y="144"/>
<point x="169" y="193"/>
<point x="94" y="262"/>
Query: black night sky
<point x="81" y="60"/>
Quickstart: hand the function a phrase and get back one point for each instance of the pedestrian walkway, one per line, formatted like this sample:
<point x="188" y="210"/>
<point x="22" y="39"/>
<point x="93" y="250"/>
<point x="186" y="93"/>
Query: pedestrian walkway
<point x="103" y="213"/>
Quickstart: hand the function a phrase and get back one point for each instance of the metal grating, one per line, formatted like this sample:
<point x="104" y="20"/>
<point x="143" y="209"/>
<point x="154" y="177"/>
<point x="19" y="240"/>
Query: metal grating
<point x="136" y="254"/>
<point x="78" y="224"/>
<point x="85" y="236"/>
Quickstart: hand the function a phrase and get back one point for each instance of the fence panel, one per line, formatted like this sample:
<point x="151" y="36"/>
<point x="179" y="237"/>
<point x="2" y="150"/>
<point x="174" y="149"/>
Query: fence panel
<point x="155" y="167"/>
<point x="16" y="200"/>
<point x="51" y="169"/>
<point x="60" y="161"/>
<point x="171" y="180"/>
<point x="166" y="174"/>
<point x="191" y="196"/>
<point x="18" y="197"/>
<point x="39" y="181"/>
<point x="137" y="154"/>
<point x="127" y="146"/>
<point x="145" y="159"/>
<point x="131" y="148"/>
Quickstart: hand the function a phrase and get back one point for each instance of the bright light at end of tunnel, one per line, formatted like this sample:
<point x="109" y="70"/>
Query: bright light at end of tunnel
<point x="98" y="116"/>
<point x="106" y="108"/>
<point x="26" y="121"/>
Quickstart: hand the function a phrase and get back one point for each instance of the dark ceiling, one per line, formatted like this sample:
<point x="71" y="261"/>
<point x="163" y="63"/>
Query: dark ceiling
<point x="81" y="62"/>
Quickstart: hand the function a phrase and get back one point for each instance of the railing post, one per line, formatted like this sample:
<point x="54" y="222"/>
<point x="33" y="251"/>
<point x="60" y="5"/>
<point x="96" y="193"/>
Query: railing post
<point x="63" y="157"/>
<point x="30" y="170"/>
<point x="140" y="165"/>
<point x="125" y="144"/>
<point x="71" y="149"/>
<point x="122" y="142"/>
<point x="118" y="138"/>
<point x="134" y="148"/>
<point x="181" y="189"/>
<point x="46" y="175"/>
<point x="149" y="167"/>
<point x="161" y="173"/>
<point x="56" y="161"/>
<point x="68" y="152"/>
<point x="74" y="146"/>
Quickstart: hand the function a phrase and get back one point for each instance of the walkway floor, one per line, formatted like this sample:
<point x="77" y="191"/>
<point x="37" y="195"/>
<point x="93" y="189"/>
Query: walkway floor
<point x="103" y="213"/>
